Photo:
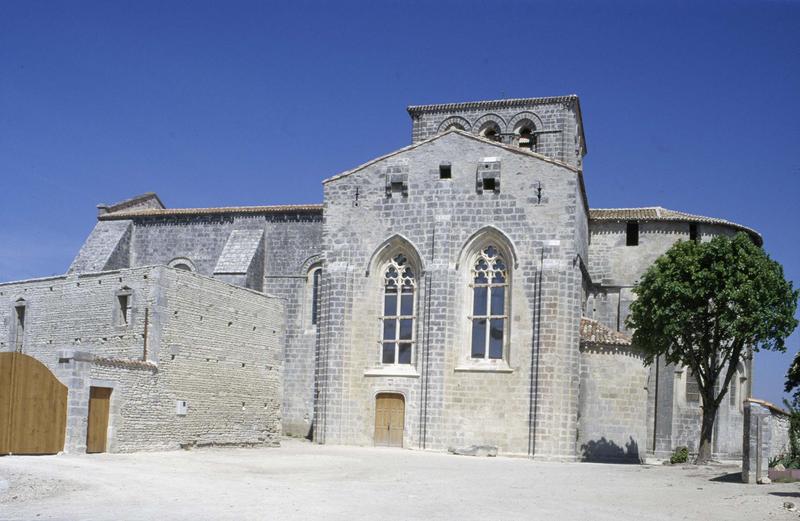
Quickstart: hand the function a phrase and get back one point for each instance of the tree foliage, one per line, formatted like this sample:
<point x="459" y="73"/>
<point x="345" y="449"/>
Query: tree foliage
<point x="793" y="381"/>
<point x="707" y="306"/>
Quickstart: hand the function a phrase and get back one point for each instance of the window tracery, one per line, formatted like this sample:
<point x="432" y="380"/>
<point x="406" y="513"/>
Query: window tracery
<point x="489" y="283"/>
<point x="398" y="319"/>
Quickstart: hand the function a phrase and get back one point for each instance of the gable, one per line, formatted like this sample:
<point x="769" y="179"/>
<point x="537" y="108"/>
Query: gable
<point x="453" y="137"/>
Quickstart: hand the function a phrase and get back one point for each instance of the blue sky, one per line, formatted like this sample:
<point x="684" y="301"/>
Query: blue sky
<point x="691" y="107"/>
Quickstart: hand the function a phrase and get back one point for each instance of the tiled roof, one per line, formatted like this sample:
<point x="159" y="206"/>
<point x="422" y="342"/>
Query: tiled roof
<point x="657" y="213"/>
<point x="489" y="104"/>
<point x="593" y="332"/>
<point x="176" y="212"/>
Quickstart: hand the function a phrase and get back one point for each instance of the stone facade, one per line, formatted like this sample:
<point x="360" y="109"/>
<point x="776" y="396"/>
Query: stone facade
<point x="265" y="249"/>
<point x="555" y="123"/>
<point x="186" y="337"/>
<point x="543" y="367"/>
<point x="613" y="397"/>
<point x="615" y="268"/>
<point x="440" y="224"/>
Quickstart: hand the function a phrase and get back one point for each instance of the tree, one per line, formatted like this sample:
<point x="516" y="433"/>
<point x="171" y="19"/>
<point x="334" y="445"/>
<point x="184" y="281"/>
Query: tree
<point x="793" y="382"/>
<point x="709" y="306"/>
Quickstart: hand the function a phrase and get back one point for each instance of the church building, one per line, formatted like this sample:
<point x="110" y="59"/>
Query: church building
<point x="458" y="291"/>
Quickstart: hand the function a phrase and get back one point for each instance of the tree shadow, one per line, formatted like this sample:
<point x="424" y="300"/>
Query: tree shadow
<point x="733" y="477"/>
<point x="785" y="494"/>
<point x="604" y="451"/>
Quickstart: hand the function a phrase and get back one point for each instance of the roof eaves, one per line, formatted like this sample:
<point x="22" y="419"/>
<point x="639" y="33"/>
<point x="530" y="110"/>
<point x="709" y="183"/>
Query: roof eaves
<point x="232" y="210"/>
<point x="489" y="104"/>
<point x="659" y="213"/>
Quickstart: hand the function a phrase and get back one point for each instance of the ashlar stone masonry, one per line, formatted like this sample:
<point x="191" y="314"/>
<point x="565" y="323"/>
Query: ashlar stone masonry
<point x="457" y="292"/>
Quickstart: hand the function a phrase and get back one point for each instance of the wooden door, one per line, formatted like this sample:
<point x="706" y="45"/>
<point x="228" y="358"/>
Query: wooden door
<point x="390" y="415"/>
<point x="97" y="429"/>
<point x="33" y="407"/>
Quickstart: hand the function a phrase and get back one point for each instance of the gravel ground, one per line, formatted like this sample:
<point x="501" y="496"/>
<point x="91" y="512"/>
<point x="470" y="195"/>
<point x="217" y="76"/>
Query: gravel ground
<point x="305" y="481"/>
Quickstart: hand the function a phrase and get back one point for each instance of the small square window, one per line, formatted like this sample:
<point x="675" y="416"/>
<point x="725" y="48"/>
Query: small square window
<point x="489" y="184"/>
<point x="632" y="234"/>
<point x="445" y="171"/>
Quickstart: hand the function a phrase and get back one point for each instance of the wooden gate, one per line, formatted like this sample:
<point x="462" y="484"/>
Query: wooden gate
<point x="33" y="407"/>
<point x="97" y="429"/>
<point x="389" y="419"/>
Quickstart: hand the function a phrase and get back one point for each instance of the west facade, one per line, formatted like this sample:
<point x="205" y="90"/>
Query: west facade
<point x="459" y="291"/>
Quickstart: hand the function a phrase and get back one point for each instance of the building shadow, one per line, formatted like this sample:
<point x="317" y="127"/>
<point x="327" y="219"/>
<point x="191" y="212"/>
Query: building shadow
<point x="785" y="494"/>
<point x="605" y="451"/>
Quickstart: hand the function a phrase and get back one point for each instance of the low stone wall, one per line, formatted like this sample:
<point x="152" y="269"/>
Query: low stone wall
<point x="766" y="435"/>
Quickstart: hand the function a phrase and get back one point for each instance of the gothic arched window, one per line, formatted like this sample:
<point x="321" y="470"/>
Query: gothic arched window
<point x="399" y="288"/>
<point x="489" y="283"/>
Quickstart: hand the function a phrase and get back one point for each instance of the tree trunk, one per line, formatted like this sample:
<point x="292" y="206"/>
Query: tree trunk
<point x="706" y="432"/>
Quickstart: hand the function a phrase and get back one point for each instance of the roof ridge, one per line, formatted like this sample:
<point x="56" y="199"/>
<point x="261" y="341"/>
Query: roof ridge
<point x="167" y="212"/>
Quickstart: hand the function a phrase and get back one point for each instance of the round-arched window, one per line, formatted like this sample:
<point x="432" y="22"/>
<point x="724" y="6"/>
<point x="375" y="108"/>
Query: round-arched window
<point x="526" y="139"/>
<point x="490" y="130"/>
<point x="182" y="263"/>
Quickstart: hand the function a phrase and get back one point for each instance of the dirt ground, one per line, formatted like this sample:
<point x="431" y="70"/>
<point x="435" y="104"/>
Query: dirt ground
<point x="305" y="481"/>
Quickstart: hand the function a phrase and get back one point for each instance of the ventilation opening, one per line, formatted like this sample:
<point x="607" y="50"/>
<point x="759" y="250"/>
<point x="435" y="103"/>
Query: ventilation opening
<point x="632" y="234"/>
<point x="445" y="171"/>
<point x="124" y="308"/>
<point x="20" y="333"/>
<point x="693" y="236"/>
<point x="397" y="187"/>
<point x="489" y="184"/>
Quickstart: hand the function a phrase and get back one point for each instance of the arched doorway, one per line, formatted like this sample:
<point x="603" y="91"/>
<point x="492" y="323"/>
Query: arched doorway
<point x="33" y="407"/>
<point x="390" y="412"/>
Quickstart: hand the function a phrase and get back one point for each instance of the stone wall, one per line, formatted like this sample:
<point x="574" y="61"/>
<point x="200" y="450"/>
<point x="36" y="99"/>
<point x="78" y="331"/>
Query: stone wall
<point x="228" y="246"/>
<point x="450" y="400"/>
<point x="766" y="436"/>
<point x="677" y="419"/>
<point x="613" y="405"/>
<point x="556" y="121"/>
<point x="615" y="268"/>
<point x="187" y="337"/>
